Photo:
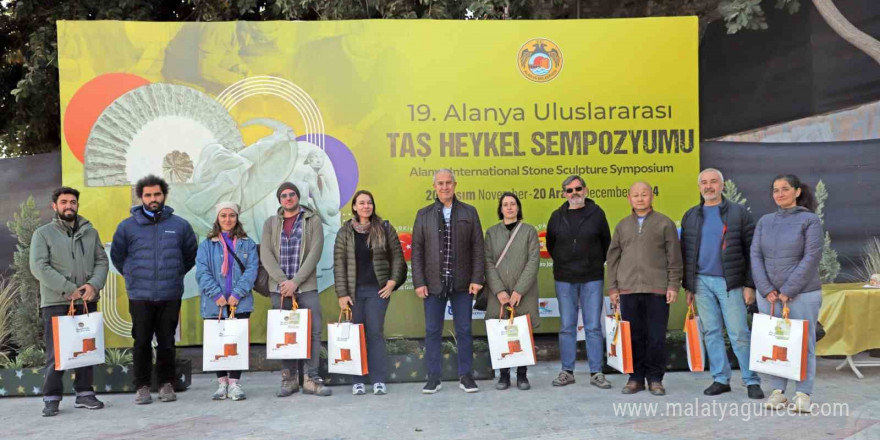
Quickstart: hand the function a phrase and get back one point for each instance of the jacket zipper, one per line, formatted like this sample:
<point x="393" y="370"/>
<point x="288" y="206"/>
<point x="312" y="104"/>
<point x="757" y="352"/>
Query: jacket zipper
<point x="156" y="252"/>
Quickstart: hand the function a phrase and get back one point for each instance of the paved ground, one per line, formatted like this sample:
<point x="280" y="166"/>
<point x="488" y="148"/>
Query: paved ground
<point x="578" y="411"/>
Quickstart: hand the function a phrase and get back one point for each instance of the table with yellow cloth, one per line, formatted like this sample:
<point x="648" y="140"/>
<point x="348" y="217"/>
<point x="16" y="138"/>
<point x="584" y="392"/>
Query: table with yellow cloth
<point x="850" y="315"/>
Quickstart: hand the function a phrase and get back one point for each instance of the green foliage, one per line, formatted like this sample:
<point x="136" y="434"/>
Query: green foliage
<point x="31" y="357"/>
<point x="829" y="265"/>
<point x="871" y="260"/>
<point x="481" y="345"/>
<point x="8" y="295"/>
<point x="118" y="357"/>
<point x="749" y="14"/>
<point x="731" y="193"/>
<point x="27" y="327"/>
<point x="402" y="346"/>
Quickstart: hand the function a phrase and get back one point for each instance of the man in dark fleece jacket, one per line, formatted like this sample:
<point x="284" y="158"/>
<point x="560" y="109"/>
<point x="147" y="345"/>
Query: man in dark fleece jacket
<point x="577" y="238"/>
<point x="153" y="249"/>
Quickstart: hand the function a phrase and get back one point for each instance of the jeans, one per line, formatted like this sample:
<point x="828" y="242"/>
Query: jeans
<point x="804" y="306"/>
<point x="150" y="318"/>
<point x="53" y="387"/>
<point x="717" y="308"/>
<point x="369" y="310"/>
<point x="311" y="301"/>
<point x="435" y="308"/>
<point x="232" y="374"/>
<point x="648" y="315"/>
<point x="588" y="297"/>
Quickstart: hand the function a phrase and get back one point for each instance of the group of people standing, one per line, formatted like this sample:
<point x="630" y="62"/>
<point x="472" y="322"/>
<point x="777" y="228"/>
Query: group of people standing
<point x="719" y="259"/>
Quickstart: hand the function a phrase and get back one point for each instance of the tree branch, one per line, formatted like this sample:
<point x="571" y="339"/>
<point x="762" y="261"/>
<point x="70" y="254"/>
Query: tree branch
<point x="843" y="27"/>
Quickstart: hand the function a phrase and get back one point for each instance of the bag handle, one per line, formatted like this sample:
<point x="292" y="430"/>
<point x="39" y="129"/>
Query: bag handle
<point x="293" y="304"/>
<point x="512" y="313"/>
<point x="785" y="311"/>
<point x="347" y="312"/>
<point x="231" y="313"/>
<point x="507" y="246"/>
<point x="691" y="313"/>
<point x="72" y="309"/>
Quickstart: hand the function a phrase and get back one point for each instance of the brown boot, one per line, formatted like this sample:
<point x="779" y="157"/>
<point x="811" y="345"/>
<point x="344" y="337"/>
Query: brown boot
<point x="633" y="387"/>
<point x="289" y="383"/>
<point x="315" y="385"/>
<point x="656" y="388"/>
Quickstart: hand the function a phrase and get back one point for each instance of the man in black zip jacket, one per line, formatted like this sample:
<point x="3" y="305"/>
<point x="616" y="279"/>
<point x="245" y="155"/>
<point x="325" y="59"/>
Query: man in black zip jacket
<point x="577" y="239"/>
<point x="716" y="237"/>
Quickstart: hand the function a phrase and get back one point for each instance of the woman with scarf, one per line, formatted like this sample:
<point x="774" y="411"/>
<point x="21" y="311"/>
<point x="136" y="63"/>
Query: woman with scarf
<point x="368" y="267"/>
<point x="226" y="268"/>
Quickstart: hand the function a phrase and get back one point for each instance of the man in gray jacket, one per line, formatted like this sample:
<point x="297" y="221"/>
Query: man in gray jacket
<point x="289" y="250"/>
<point x="69" y="261"/>
<point x="448" y="266"/>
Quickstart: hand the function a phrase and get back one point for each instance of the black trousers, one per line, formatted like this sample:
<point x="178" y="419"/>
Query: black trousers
<point x="232" y="374"/>
<point x="648" y="315"/>
<point x="151" y="318"/>
<point x="53" y="387"/>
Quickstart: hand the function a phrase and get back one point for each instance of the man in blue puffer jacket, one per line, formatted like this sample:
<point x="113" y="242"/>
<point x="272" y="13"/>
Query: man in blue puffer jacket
<point x="153" y="249"/>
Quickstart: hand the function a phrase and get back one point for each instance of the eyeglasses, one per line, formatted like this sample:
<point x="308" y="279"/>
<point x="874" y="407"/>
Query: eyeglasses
<point x="571" y="190"/>
<point x="289" y="195"/>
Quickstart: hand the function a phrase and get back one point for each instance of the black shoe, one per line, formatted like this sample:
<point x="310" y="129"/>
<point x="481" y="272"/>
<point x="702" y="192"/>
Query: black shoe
<point x="467" y="384"/>
<point x="755" y="392"/>
<point x="503" y="382"/>
<point x="51" y="408"/>
<point x="432" y="386"/>
<point x="522" y="383"/>
<point x="89" y="402"/>
<point x="716" y="389"/>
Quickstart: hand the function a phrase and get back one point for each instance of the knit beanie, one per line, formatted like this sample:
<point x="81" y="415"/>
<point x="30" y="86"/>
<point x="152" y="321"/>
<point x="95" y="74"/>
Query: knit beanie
<point x="226" y="205"/>
<point x="284" y="186"/>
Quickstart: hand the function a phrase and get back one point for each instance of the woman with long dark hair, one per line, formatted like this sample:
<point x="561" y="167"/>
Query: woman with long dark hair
<point x="786" y="250"/>
<point x="226" y="268"/>
<point x="368" y="267"/>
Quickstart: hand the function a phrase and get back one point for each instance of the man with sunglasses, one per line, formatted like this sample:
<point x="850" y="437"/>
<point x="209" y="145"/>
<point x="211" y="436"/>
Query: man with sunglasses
<point x="289" y="250"/>
<point x="578" y="237"/>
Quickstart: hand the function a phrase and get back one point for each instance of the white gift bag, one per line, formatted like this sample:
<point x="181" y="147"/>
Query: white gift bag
<point x="78" y="340"/>
<point x="226" y="344"/>
<point x="289" y="334"/>
<point x="511" y="343"/>
<point x="779" y="345"/>
<point x="618" y="344"/>
<point x="346" y="348"/>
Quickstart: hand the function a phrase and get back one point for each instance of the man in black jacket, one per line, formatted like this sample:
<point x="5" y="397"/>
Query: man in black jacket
<point x="578" y="238"/>
<point x="448" y="265"/>
<point x="716" y="237"/>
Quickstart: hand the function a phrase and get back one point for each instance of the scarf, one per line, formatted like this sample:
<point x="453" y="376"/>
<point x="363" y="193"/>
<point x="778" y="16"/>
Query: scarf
<point x="361" y="228"/>
<point x="225" y="268"/>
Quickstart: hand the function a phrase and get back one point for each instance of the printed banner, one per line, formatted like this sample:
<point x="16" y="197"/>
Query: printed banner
<point x="228" y="111"/>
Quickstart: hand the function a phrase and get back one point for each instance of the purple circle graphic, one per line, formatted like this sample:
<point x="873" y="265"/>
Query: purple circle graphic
<point x="344" y="164"/>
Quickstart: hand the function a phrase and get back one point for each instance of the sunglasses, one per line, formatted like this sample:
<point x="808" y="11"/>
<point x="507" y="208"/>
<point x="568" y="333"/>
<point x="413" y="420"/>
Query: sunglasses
<point x="289" y="195"/>
<point x="571" y="190"/>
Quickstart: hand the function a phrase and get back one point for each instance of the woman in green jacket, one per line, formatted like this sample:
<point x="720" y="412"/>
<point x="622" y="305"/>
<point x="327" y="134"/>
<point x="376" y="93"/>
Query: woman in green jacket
<point x="512" y="279"/>
<point x="368" y="265"/>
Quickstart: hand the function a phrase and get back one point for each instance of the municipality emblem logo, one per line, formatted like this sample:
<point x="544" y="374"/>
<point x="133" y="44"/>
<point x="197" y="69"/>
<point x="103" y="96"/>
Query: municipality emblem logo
<point x="539" y="60"/>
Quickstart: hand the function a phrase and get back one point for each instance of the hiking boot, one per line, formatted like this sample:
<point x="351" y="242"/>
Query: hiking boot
<point x="88" y="402"/>
<point x="656" y="388"/>
<point x="522" y="382"/>
<point x="503" y="382"/>
<point x="50" y="408"/>
<point x="633" y="387"/>
<point x="776" y="400"/>
<point x="221" y="392"/>
<point x="358" y="389"/>
<point x="755" y="392"/>
<point x="801" y="403"/>
<point x="315" y="385"/>
<point x="142" y="397"/>
<point x="599" y="380"/>
<point x="289" y="383"/>
<point x="467" y="384"/>
<point x="166" y="393"/>
<point x="717" y="388"/>
<point x="432" y="386"/>
<point x="235" y="392"/>
<point x="564" y="378"/>
<point x="379" y="389"/>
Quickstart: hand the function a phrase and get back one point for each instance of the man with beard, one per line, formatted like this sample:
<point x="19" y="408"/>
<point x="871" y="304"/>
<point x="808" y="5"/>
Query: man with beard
<point x="290" y="249"/>
<point x="577" y="239"/>
<point x="68" y="259"/>
<point x="716" y="239"/>
<point x="153" y="249"/>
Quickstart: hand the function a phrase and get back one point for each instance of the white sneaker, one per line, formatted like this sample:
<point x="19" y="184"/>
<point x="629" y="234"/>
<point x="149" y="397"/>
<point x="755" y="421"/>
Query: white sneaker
<point x="379" y="389"/>
<point x="235" y="392"/>
<point x="801" y="403"/>
<point x="221" y="392"/>
<point x="776" y="400"/>
<point x="358" y="389"/>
